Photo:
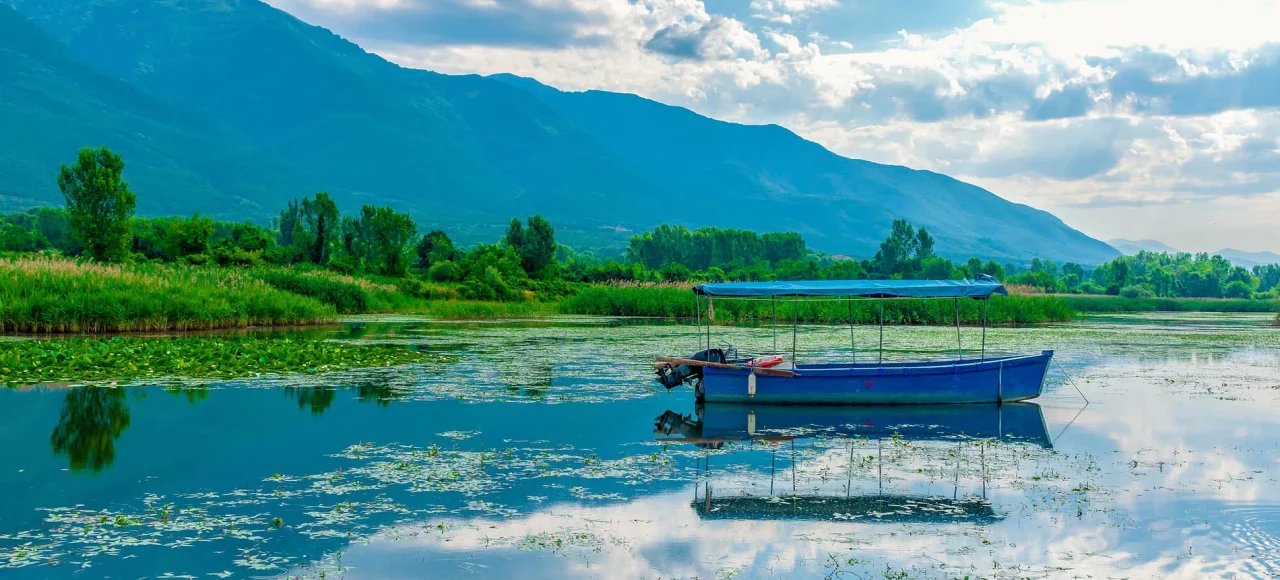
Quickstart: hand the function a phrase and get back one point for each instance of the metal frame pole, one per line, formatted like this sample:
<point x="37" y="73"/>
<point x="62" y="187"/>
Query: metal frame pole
<point x="697" y="309"/>
<point x="984" y="327"/>
<point x="853" y="343"/>
<point x="881" y="361"/>
<point x="959" y="348"/>
<point x="709" y="313"/>
<point x="773" y="305"/>
<point x="795" y="322"/>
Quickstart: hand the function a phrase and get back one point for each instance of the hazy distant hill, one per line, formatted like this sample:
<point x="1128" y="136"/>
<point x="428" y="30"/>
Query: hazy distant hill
<point x="466" y="149"/>
<point x="1131" y="247"/>
<point x="1249" y="259"/>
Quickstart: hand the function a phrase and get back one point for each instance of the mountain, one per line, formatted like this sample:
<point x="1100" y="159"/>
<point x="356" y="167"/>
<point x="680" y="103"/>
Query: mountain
<point x="768" y="178"/>
<point x="470" y="151"/>
<point x="1249" y="259"/>
<point x="1131" y="247"/>
<point x="57" y="104"/>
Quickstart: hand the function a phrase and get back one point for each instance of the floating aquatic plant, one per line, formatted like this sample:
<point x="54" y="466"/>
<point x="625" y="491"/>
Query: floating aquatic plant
<point x="90" y="360"/>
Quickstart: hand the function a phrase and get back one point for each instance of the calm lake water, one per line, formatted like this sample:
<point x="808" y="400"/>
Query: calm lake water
<point x="547" y="450"/>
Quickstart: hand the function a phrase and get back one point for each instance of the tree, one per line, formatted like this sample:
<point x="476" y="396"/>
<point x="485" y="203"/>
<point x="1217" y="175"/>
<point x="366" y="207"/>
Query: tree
<point x="433" y="248"/>
<point x="99" y="202"/>
<point x="1238" y="289"/>
<point x="386" y="236"/>
<point x="188" y="237"/>
<point x="535" y="244"/>
<point x="924" y="245"/>
<point x="309" y="227"/>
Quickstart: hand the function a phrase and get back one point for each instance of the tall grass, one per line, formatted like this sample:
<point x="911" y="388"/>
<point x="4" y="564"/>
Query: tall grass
<point x="1122" y="304"/>
<point x="678" y="302"/>
<point x="49" y="294"/>
<point x="348" y="294"/>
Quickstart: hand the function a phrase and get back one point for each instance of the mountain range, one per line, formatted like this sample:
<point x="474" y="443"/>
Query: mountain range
<point x="1237" y="257"/>
<point x="231" y="107"/>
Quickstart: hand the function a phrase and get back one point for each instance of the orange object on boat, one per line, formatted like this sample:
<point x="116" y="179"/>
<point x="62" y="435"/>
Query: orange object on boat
<point x="765" y="362"/>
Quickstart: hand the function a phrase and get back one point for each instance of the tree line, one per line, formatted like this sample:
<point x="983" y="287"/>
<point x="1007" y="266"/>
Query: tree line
<point x="98" y="221"/>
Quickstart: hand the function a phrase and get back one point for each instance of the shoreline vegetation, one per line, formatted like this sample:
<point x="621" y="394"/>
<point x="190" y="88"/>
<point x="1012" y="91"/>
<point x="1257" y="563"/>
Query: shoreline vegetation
<point x="57" y="295"/>
<point x="95" y="267"/>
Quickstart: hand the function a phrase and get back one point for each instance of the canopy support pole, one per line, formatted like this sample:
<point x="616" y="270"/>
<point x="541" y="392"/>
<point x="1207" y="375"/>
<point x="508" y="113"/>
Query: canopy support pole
<point x="853" y="343"/>
<point x="709" y="313"/>
<point x="881" y="334"/>
<point x="697" y="310"/>
<point x="984" y="328"/>
<point x="959" y="349"/>
<point x="773" y="306"/>
<point x="795" y="322"/>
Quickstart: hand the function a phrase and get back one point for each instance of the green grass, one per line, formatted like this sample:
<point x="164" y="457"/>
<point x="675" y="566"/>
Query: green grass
<point x="47" y="294"/>
<point x="475" y="310"/>
<point x="1121" y="304"/>
<point x="131" y="358"/>
<point x="673" y="301"/>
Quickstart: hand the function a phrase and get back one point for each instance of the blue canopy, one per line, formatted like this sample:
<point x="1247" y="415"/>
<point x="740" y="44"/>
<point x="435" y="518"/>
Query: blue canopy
<point x="982" y="288"/>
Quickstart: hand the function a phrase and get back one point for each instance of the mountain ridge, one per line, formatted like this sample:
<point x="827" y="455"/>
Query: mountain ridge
<point x="471" y="151"/>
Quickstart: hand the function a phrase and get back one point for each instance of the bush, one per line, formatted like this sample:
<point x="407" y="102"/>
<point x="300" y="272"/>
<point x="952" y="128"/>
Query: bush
<point x="1237" y="289"/>
<point x="445" y="271"/>
<point x="1137" y="292"/>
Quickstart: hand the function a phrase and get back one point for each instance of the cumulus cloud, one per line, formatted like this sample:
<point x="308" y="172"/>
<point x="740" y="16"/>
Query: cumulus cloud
<point x="716" y="38"/>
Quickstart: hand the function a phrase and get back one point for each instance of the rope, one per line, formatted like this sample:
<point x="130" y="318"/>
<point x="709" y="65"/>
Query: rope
<point x="1070" y="380"/>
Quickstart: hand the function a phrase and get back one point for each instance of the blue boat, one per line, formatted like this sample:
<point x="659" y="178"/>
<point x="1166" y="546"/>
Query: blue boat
<point x="719" y="376"/>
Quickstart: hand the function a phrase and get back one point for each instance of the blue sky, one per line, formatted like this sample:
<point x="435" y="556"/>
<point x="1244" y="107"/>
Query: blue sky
<point x="1127" y="118"/>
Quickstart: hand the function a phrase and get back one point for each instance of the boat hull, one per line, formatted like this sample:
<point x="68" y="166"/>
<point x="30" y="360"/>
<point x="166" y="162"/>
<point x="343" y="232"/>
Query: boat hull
<point x="990" y="380"/>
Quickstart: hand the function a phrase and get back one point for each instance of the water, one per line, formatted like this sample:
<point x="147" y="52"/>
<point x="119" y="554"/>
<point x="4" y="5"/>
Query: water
<point x="538" y="452"/>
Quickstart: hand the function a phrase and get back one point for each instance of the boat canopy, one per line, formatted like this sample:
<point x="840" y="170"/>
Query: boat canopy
<point x="978" y="289"/>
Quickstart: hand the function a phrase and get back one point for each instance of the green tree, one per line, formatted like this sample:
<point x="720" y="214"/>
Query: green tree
<point x="99" y="202"/>
<point x="387" y="239"/>
<point x="188" y="237"/>
<point x="433" y="248"/>
<point x="310" y="228"/>
<point x="536" y="244"/>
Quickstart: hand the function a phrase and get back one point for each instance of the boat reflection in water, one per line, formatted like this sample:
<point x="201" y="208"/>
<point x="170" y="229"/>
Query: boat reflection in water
<point x="885" y="445"/>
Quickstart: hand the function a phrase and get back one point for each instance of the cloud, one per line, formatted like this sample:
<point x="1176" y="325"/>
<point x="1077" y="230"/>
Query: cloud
<point x="718" y="38"/>
<point x="787" y="11"/>
<point x="524" y="23"/>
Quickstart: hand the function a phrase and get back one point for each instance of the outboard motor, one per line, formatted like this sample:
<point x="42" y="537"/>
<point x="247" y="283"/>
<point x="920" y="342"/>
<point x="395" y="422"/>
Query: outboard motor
<point x="674" y="376"/>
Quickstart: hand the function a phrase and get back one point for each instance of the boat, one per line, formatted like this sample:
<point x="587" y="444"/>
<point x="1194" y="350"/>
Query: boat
<point x="720" y="375"/>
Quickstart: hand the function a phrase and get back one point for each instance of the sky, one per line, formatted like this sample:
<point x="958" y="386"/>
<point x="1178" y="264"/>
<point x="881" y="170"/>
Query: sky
<point x="1132" y="119"/>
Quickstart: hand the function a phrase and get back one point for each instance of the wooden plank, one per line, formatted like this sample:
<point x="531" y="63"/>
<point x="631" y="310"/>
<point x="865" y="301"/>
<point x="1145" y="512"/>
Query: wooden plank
<point x="664" y="360"/>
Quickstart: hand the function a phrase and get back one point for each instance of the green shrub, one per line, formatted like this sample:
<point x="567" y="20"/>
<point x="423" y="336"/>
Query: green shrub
<point x="445" y="271"/>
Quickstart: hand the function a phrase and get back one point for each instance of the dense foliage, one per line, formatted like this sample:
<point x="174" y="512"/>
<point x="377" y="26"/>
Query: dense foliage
<point x="1156" y="275"/>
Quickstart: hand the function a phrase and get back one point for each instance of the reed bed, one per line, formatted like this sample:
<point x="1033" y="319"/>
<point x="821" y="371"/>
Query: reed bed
<point x="678" y="302"/>
<point x="44" y="294"/>
<point x="1086" y="303"/>
<point x="347" y="294"/>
